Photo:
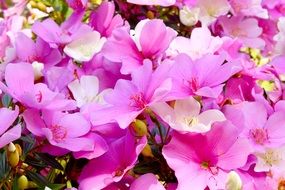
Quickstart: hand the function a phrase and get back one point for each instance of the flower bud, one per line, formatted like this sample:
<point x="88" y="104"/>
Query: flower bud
<point x="13" y="155"/>
<point x="147" y="151"/>
<point x="189" y="17"/>
<point x="233" y="181"/>
<point x="38" y="69"/>
<point x="11" y="147"/>
<point x="23" y="182"/>
<point x="139" y="127"/>
<point x="42" y="7"/>
<point x="19" y="149"/>
<point x="33" y="4"/>
<point x="150" y="14"/>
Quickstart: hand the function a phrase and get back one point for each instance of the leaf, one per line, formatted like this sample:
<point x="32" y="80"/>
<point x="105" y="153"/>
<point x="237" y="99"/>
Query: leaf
<point x="15" y="184"/>
<point x="56" y="186"/>
<point x="146" y="167"/>
<point x="4" y="166"/>
<point x="28" y="143"/>
<point x="49" y="160"/>
<point x="6" y="100"/>
<point x="40" y="180"/>
<point x="38" y="164"/>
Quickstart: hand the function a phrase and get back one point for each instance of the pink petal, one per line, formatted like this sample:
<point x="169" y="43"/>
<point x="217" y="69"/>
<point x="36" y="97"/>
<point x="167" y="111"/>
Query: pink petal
<point x="147" y="181"/>
<point x="7" y="117"/>
<point x="11" y="135"/>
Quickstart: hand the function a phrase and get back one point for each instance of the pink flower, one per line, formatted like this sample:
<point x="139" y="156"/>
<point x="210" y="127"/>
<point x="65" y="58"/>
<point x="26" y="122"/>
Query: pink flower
<point x="20" y="85"/>
<point x="280" y="37"/>
<point x="204" y="160"/>
<point x="202" y="77"/>
<point x="111" y="167"/>
<point x="200" y="43"/>
<point x="77" y="4"/>
<point x="134" y="49"/>
<point x="56" y="35"/>
<point x="61" y="129"/>
<point x="164" y="3"/>
<point x="254" y="125"/>
<point x="130" y="98"/>
<point x="104" y="21"/>
<point x="7" y="118"/>
<point x="245" y="29"/>
<point x="249" y="8"/>
<point x="29" y="51"/>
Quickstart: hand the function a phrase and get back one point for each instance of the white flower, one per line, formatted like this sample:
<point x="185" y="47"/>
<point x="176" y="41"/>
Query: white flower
<point x="86" y="90"/>
<point x="186" y="116"/>
<point x="85" y="47"/>
<point x="211" y="10"/>
<point x="233" y="181"/>
<point x="189" y="17"/>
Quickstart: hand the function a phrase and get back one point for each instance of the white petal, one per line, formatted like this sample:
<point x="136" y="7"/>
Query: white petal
<point x="90" y="85"/>
<point x="187" y="107"/>
<point x="210" y="116"/>
<point x="85" y="47"/>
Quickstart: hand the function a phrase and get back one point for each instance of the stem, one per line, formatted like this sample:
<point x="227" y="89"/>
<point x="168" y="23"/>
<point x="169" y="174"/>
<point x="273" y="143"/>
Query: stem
<point x="167" y="132"/>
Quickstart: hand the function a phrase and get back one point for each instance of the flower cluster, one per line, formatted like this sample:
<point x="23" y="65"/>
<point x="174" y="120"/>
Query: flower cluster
<point x="142" y="94"/>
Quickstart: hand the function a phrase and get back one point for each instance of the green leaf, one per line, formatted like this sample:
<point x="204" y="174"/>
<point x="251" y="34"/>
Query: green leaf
<point x="146" y="167"/>
<point x="4" y="166"/>
<point x="15" y="184"/>
<point x="40" y="180"/>
<point x="28" y="143"/>
<point x="56" y="186"/>
<point x="38" y="164"/>
<point x="49" y="160"/>
<point x="6" y="100"/>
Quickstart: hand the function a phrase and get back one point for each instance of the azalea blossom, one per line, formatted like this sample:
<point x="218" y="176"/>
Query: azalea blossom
<point x="202" y="77"/>
<point x="153" y="2"/>
<point x="63" y="130"/>
<point x="142" y="94"/>
<point x="201" y="160"/>
<point x="130" y="98"/>
<point x="86" y="90"/>
<point x="186" y="116"/>
<point x="20" y="85"/>
<point x="254" y="125"/>
<point x="135" y="49"/>
<point x="85" y="47"/>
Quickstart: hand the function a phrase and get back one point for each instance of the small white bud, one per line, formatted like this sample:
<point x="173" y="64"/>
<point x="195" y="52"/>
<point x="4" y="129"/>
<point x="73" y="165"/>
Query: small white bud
<point x="38" y="68"/>
<point x="189" y="16"/>
<point x="233" y="181"/>
<point x="11" y="147"/>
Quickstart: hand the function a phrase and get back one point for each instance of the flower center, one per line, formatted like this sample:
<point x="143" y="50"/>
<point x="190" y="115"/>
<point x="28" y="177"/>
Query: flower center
<point x="271" y="157"/>
<point x="190" y="121"/>
<point x="194" y="84"/>
<point x="207" y="166"/>
<point x="59" y="133"/>
<point x="118" y="172"/>
<point x="39" y="96"/>
<point x="138" y="101"/>
<point x="259" y="135"/>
